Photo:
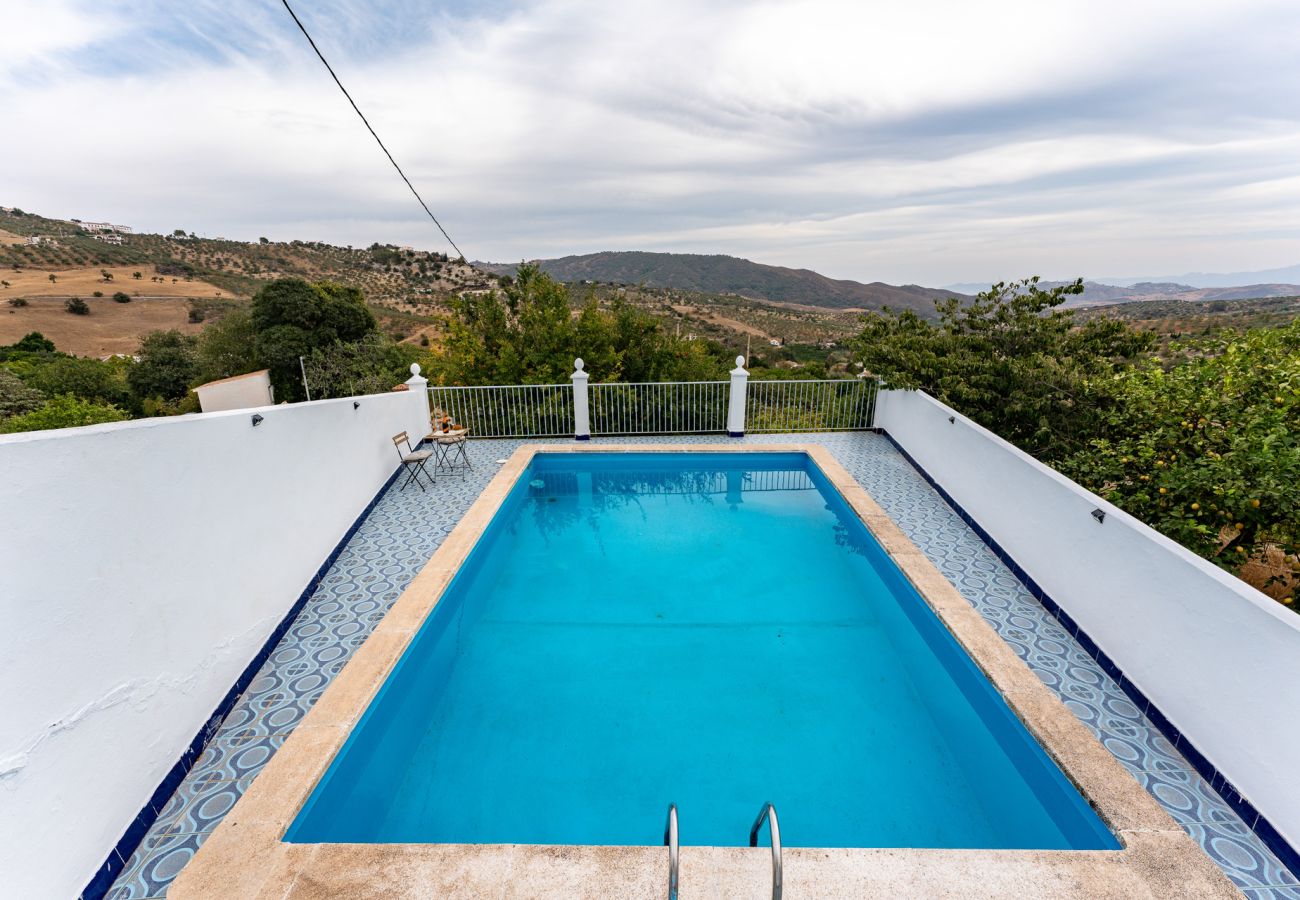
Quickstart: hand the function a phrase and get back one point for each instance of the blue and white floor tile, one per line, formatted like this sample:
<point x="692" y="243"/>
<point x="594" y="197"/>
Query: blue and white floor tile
<point x="405" y="527"/>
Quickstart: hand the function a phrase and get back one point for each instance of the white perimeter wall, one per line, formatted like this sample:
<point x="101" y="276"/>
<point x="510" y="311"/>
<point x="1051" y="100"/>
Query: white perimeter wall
<point x="1219" y="658"/>
<point x="142" y="566"/>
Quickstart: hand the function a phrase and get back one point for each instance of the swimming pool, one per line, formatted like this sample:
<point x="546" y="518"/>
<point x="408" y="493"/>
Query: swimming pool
<point x="713" y="630"/>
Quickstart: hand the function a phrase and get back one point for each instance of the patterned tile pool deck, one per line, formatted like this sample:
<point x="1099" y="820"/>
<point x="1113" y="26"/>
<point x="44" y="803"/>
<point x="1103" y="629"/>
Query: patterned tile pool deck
<point x="405" y="528"/>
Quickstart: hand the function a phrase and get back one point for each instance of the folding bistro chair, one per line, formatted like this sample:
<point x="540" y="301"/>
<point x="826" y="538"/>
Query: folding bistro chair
<point x="413" y="459"/>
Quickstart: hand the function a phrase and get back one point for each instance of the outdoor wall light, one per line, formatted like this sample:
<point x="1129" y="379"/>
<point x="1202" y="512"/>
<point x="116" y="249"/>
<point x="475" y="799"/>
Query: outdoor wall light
<point x="952" y="420"/>
<point x="356" y="404"/>
<point x="1099" y="515"/>
<point x="257" y="419"/>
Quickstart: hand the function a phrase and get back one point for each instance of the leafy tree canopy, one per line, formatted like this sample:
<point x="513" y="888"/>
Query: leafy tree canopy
<point x="33" y="342"/>
<point x="1011" y="360"/>
<point x="371" y="365"/>
<point x="87" y="379"/>
<point x="63" y="411"/>
<point x="228" y="347"/>
<point x="16" y="396"/>
<point x="167" y="365"/>
<point x="291" y="317"/>
<point x="528" y="334"/>
<point x="1208" y="452"/>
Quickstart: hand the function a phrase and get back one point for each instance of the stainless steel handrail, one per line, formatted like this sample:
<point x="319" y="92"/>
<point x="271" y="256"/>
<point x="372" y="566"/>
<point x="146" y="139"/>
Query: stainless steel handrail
<point x="670" y="841"/>
<point x="768" y="812"/>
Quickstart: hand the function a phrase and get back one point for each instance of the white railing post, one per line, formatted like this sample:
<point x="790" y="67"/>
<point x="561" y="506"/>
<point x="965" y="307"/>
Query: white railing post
<point x="736" y="405"/>
<point x="419" y="385"/>
<point x="581" y="412"/>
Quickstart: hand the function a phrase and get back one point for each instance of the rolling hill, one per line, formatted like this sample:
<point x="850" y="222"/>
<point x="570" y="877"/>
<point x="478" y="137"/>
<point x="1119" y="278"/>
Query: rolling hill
<point x="719" y="274"/>
<point x="180" y="280"/>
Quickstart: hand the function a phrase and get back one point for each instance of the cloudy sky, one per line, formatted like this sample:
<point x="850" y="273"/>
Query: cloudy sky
<point x="904" y="141"/>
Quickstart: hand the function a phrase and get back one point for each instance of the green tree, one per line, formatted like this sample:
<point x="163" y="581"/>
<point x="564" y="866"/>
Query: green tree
<point x="291" y="318"/>
<point x="227" y="347"/>
<point x="122" y="297"/>
<point x="77" y="306"/>
<point x="1011" y="360"/>
<point x="63" y="411"/>
<point x="33" y="342"/>
<point x="16" y="396"/>
<point x="528" y="333"/>
<point x="86" y="379"/>
<point x="1208" y="452"/>
<point x="53" y="278"/>
<point x="167" y="366"/>
<point x="371" y="365"/>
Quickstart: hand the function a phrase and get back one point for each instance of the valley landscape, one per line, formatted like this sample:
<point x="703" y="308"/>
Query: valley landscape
<point x="777" y="315"/>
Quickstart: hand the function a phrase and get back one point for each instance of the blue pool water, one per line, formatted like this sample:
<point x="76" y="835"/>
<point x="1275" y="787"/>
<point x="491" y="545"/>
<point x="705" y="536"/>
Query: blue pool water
<point x="713" y="630"/>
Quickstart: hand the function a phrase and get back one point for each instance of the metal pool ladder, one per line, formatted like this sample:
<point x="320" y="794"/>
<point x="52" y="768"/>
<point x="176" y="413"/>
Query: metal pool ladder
<point x="670" y="841"/>
<point x="768" y="812"/>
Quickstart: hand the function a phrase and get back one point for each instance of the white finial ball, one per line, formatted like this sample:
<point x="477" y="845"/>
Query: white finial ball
<point x="740" y="362"/>
<point x="415" y="368"/>
<point x="578" y="364"/>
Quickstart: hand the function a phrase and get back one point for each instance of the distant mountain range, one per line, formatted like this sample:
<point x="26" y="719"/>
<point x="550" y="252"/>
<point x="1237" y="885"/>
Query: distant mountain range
<point x="1283" y="282"/>
<point x="718" y="274"/>
<point x="1098" y="294"/>
<point x="1285" y="275"/>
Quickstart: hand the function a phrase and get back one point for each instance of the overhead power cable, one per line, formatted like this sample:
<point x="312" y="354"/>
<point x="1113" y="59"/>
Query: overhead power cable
<point x="330" y="69"/>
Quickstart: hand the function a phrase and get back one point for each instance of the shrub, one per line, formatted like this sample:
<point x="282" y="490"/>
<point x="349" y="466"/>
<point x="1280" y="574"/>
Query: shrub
<point x="17" y="397"/>
<point x="63" y="411"/>
<point x="166" y="367"/>
<point x="226" y="347"/>
<point x="122" y="297"/>
<point x="87" y="379"/>
<point x="18" y="301"/>
<point x="77" y="306"/>
<point x="1208" y="452"/>
<point x="1010" y="360"/>
<point x="97" y="294"/>
<point x="33" y="342"/>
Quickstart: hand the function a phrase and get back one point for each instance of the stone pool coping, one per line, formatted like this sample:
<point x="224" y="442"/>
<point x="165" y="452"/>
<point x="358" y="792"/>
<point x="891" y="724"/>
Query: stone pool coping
<point x="246" y="856"/>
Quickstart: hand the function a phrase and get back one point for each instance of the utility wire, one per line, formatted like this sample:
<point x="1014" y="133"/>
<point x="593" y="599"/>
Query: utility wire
<point x="303" y="29"/>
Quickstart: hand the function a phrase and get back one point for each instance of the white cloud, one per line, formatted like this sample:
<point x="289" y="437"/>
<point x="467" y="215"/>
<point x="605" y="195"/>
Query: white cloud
<point x="927" y="142"/>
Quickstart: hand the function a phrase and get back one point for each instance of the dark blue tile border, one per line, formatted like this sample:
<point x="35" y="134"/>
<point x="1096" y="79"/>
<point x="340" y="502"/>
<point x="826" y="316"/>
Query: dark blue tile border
<point x="1264" y="829"/>
<point x="118" y="857"/>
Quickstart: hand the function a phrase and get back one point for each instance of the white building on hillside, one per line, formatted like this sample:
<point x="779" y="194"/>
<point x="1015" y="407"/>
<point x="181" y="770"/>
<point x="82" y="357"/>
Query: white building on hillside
<point x="104" y="227"/>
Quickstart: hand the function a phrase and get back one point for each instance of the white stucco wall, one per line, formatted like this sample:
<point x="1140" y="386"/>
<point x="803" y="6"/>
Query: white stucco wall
<point x="1219" y="658"/>
<point x="142" y="566"/>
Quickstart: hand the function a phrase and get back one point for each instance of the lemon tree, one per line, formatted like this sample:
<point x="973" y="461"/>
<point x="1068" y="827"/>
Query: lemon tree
<point x="1208" y="452"/>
